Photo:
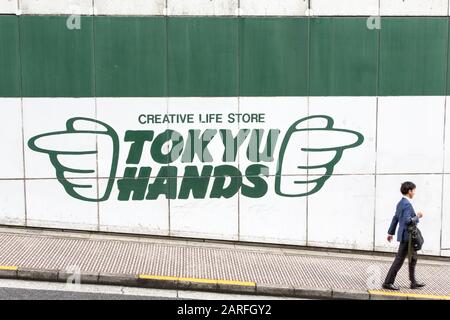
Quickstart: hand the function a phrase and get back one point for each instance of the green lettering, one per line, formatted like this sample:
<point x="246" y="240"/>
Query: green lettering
<point x="197" y="145"/>
<point x="177" y="147"/>
<point x="129" y="183"/>
<point x="253" y="174"/>
<point x="138" y="138"/>
<point x="194" y="182"/>
<point x="231" y="143"/>
<point x="165" y="183"/>
<point x="219" y="189"/>
<point x="254" y="145"/>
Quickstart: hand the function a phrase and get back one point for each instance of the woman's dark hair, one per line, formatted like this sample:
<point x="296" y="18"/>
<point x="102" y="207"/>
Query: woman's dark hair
<point x="406" y="186"/>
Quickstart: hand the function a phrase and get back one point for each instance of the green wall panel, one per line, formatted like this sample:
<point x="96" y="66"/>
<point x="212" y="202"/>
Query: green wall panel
<point x="222" y="56"/>
<point x="130" y="56"/>
<point x="413" y="55"/>
<point x="273" y="57"/>
<point x="9" y="57"/>
<point x="203" y="56"/>
<point x="56" y="61"/>
<point x="343" y="57"/>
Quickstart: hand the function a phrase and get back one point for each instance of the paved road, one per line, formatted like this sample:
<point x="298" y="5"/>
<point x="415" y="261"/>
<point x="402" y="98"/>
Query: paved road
<point x="27" y="294"/>
<point x="37" y="290"/>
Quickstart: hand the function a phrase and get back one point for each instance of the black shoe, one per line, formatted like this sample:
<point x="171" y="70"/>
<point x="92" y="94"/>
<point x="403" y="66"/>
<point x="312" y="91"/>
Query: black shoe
<point x="415" y="285"/>
<point x="390" y="286"/>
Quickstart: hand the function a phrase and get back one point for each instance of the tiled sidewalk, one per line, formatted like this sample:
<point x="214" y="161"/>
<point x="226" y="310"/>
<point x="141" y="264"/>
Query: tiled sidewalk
<point x="210" y="266"/>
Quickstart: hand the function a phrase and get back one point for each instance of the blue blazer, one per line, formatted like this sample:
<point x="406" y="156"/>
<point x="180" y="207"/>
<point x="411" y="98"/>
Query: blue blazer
<point x="404" y="214"/>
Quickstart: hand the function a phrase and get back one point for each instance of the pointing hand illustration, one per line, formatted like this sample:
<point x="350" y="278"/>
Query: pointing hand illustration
<point x="303" y="167"/>
<point x="65" y="151"/>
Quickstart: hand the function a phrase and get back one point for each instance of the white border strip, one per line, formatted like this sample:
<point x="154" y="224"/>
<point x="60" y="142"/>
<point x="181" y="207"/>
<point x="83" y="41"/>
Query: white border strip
<point x="228" y="7"/>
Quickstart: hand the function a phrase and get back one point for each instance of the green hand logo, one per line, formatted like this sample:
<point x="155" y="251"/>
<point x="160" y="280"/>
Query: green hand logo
<point x="58" y="146"/>
<point x="326" y="143"/>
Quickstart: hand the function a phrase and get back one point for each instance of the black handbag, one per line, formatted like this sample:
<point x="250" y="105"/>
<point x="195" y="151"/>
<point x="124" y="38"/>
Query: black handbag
<point x="415" y="237"/>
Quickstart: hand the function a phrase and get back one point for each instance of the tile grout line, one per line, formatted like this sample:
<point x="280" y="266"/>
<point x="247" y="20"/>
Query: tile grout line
<point x="377" y="88"/>
<point x="97" y="180"/>
<point x="444" y="136"/>
<point x="22" y="119"/>
<point x="308" y="102"/>
<point x="379" y="8"/>
<point x="166" y="24"/>
<point x="238" y="60"/>
<point x="238" y="89"/>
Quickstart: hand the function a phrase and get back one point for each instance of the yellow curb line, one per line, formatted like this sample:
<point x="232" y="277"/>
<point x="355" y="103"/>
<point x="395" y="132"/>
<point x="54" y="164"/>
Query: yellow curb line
<point x="198" y="280"/>
<point x="412" y="295"/>
<point x="12" y="268"/>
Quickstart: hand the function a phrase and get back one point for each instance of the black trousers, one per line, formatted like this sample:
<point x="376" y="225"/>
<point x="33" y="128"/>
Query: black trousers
<point x="398" y="262"/>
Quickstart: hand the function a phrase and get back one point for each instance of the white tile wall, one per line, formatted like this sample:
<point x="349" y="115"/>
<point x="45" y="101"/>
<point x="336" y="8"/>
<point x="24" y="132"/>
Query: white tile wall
<point x="204" y="218"/>
<point x="8" y="6"/>
<point x="447" y="138"/>
<point x="345" y="7"/>
<point x="414" y="7"/>
<point x="346" y="199"/>
<point x="427" y="199"/>
<point x="341" y="214"/>
<point x="12" y="202"/>
<point x="133" y="216"/>
<point x="279" y="113"/>
<point x="129" y="7"/>
<point x="48" y="205"/>
<point x="351" y="113"/>
<point x="11" y="138"/>
<point x="273" y="7"/>
<point x="56" y="7"/>
<point x="44" y="115"/>
<point x="202" y="7"/>
<point x="272" y="218"/>
<point x="230" y="7"/>
<point x="410" y="134"/>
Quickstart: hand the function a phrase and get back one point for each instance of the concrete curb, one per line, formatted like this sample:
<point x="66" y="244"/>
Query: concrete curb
<point x="83" y="277"/>
<point x="37" y="274"/>
<point x="161" y="284"/>
<point x="350" y="295"/>
<point x="313" y="293"/>
<point x="8" y="272"/>
<point x="275" y="290"/>
<point x="173" y="283"/>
